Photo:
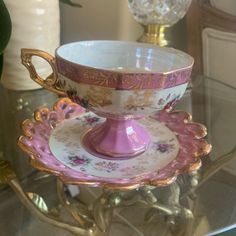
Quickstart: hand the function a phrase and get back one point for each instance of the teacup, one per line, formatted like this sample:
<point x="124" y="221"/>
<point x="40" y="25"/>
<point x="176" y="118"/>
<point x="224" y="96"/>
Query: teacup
<point x="118" y="80"/>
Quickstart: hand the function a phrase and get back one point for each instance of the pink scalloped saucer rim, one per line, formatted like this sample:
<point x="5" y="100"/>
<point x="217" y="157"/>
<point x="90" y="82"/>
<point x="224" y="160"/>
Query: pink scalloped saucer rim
<point x="35" y="142"/>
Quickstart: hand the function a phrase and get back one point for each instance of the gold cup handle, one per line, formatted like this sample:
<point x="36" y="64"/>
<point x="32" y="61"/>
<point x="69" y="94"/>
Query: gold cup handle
<point x="50" y="83"/>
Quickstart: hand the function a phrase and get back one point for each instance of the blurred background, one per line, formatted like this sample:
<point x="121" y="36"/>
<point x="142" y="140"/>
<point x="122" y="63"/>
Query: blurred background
<point x="108" y="19"/>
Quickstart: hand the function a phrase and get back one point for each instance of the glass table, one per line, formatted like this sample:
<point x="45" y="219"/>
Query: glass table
<point x="210" y="194"/>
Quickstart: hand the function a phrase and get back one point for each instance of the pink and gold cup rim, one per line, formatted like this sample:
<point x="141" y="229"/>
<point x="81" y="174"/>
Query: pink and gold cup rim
<point x="119" y="64"/>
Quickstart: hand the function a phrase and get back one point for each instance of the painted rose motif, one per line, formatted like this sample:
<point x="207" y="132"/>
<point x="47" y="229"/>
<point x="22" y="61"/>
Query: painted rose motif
<point x="106" y="166"/>
<point x="72" y="94"/>
<point x="164" y="146"/>
<point x="79" y="160"/>
<point x="91" y="119"/>
<point x="88" y="120"/>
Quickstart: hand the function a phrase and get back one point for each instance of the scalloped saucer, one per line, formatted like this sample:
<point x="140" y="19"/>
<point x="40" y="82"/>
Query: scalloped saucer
<point x="54" y="143"/>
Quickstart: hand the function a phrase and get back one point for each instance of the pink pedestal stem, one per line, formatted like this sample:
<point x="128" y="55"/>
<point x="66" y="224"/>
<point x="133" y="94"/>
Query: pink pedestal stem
<point x="117" y="138"/>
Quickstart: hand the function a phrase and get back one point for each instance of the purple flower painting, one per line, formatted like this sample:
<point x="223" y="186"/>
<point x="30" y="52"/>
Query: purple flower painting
<point x="163" y="147"/>
<point x="79" y="160"/>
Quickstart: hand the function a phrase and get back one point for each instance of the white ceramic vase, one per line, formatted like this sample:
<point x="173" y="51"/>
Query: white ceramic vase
<point x="35" y="24"/>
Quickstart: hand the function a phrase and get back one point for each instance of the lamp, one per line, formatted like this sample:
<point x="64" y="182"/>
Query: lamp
<point x="156" y="16"/>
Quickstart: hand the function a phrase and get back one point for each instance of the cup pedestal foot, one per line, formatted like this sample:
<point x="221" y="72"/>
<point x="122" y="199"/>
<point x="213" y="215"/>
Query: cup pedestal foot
<point x="117" y="138"/>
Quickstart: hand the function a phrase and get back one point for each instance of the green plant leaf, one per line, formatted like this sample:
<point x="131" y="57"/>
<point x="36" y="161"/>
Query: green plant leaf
<point x="5" y="26"/>
<point x="5" y="31"/>
<point x="71" y="3"/>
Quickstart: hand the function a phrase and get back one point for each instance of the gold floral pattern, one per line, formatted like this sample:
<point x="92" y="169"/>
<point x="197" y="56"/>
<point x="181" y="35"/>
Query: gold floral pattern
<point x="98" y="96"/>
<point x="139" y="100"/>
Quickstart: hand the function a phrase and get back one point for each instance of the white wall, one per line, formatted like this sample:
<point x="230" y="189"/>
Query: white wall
<point x="98" y="19"/>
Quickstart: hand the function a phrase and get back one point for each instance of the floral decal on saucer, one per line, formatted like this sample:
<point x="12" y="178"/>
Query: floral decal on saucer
<point x="54" y="144"/>
<point x="163" y="146"/>
<point x="78" y="160"/>
<point x="89" y="119"/>
<point x="106" y="166"/>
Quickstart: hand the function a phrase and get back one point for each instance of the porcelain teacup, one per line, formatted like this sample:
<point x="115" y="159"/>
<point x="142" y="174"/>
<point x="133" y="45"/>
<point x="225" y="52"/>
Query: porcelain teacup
<point x="118" y="80"/>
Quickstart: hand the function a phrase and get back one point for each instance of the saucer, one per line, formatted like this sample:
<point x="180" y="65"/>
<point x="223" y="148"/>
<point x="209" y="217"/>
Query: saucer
<point x="54" y="142"/>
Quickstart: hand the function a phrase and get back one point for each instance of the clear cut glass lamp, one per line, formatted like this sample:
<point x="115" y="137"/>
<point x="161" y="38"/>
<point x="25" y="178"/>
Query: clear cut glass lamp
<point x="156" y="16"/>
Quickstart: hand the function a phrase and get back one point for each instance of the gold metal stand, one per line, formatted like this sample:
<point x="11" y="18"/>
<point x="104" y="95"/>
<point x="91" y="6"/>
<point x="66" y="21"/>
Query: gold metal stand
<point x="154" y="34"/>
<point x="38" y="208"/>
<point x="95" y="220"/>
